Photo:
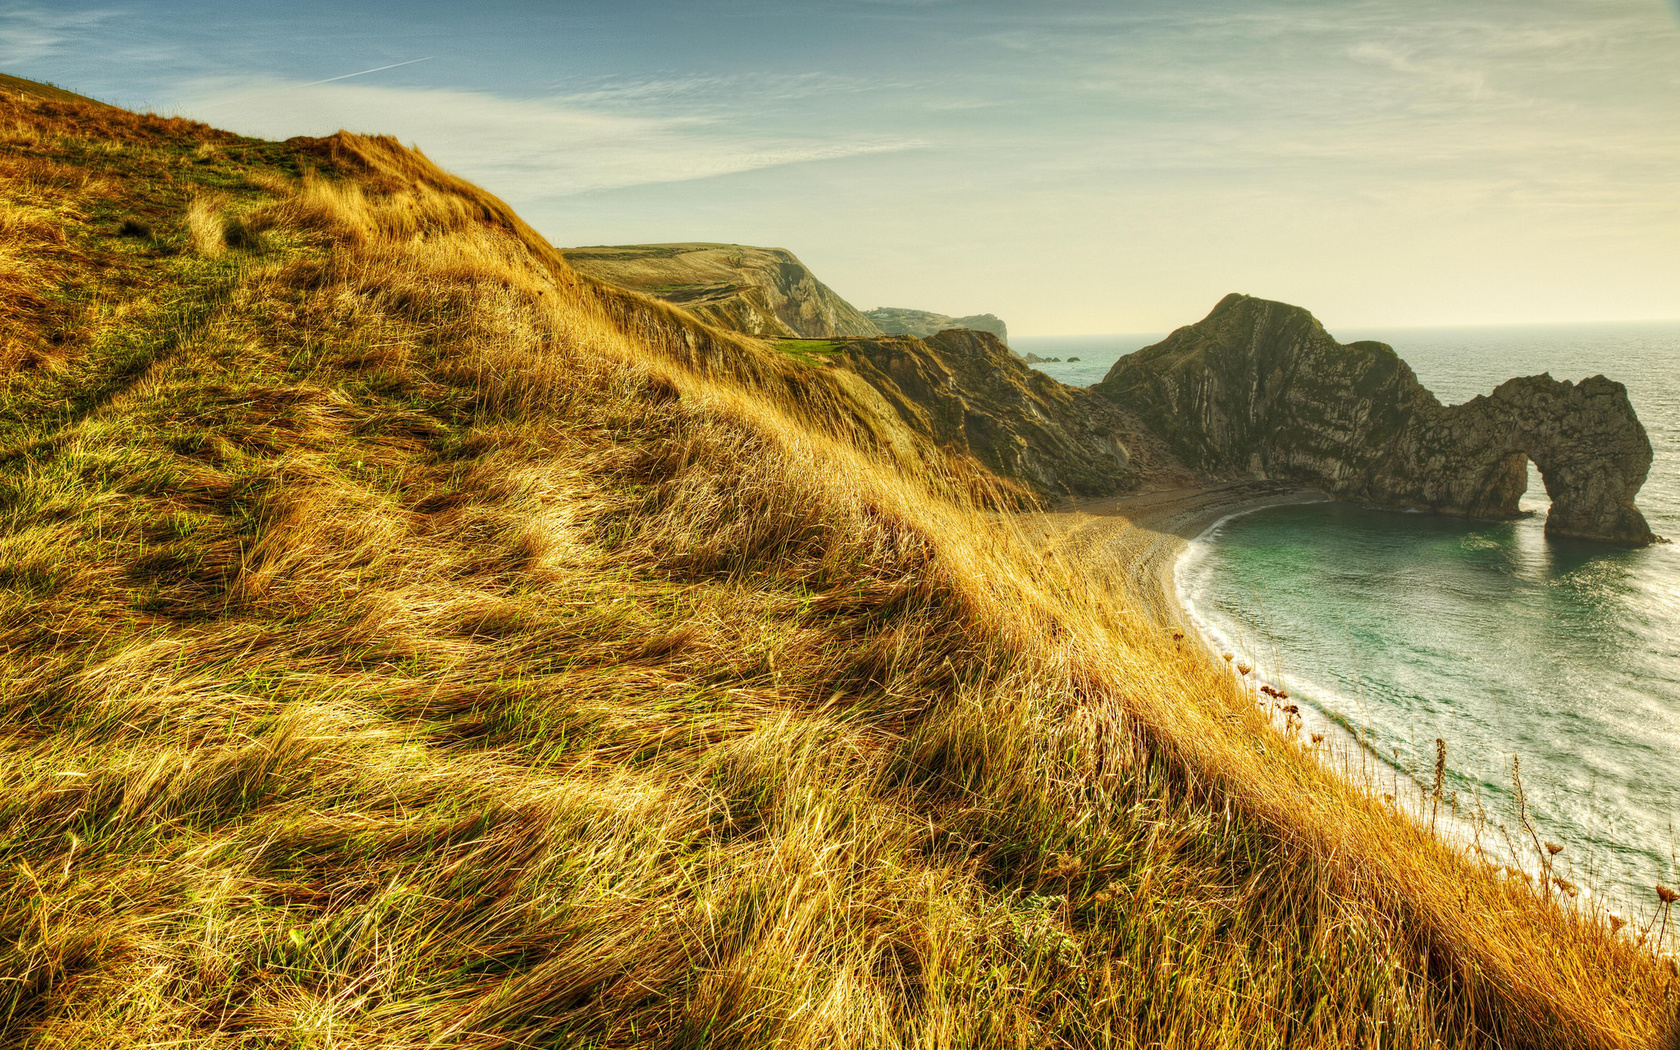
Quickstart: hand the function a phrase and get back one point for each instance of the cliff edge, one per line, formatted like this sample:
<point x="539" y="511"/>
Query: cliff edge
<point x="1259" y="388"/>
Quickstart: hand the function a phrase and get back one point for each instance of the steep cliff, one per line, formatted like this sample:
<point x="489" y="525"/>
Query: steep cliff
<point x="894" y="320"/>
<point x="1259" y="388"/>
<point x="965" y="390"/>
<point x="759" y="291"/>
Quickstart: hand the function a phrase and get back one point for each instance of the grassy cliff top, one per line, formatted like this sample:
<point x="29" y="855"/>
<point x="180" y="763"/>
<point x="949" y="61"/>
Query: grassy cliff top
<point x="50" y="92"/>
<point x="406" y="641"/>
<point x="759" y="291"/>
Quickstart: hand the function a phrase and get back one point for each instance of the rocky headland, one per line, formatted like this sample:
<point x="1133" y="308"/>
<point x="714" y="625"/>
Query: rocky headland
<point x="1259" y="389"/>
<point x="894" y="320"/>
<point x="760" y="291"/>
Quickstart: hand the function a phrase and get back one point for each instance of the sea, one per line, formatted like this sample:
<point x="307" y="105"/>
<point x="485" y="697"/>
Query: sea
<point x="1553" y="665"/>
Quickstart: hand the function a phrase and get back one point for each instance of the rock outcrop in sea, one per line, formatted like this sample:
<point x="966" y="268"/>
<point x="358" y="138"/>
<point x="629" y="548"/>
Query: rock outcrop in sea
<point x="1260" y="389"/>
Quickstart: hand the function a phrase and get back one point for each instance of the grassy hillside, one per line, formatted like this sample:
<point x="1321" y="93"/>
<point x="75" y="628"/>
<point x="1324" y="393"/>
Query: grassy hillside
<point x="405" y="641"/>
<point x="18" y="86"/>
<point x="764" y="292"/>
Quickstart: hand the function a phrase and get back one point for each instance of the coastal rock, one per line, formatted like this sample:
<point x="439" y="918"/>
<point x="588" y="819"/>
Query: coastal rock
<point x="896" y="320"/>
<point x="759" y="291"/>
<point x="1259" y="389"/>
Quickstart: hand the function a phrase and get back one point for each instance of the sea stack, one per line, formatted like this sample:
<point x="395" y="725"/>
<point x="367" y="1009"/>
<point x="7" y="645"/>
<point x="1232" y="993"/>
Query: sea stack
<point x="1260" y="389"/>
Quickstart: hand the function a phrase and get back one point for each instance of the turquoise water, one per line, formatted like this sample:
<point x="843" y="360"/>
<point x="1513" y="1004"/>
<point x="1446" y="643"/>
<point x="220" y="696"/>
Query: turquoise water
<point x="1409" y="627"/>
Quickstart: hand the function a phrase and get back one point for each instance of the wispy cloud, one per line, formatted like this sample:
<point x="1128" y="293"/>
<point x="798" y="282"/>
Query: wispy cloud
<point x="1515" y="152"/>
<point x="706" y="91"/>
<point x="527" y="149"/>
<point x="1472" y="82"/>
<point x="29" y="33"/>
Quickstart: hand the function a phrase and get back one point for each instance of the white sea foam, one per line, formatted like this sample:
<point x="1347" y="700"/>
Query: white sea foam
<point x="1329" y="713"/>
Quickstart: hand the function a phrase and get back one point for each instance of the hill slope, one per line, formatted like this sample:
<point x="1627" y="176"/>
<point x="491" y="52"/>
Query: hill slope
<point x="20" y="86"/>
<point x="758" y="291"/>
<point x="967" y="392"/>
<point x="409" y="642"/>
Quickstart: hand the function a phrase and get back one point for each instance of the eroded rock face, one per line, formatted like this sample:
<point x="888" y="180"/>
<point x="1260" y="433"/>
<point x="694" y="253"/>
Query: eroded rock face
<point x="965" y="390"/>
<point x="1584" y="437"/>
<point x="1258" y="388"/>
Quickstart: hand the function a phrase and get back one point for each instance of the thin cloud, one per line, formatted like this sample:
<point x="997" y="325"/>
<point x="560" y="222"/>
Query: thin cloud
<point x="710" y="93"/>
<point x="530" y="149"/>
<point x="30" y="34"/>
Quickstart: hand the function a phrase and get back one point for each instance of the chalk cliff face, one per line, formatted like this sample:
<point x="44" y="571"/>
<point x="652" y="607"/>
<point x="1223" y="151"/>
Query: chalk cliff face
<point x="760" y="291"/>
<point x="896" y="320"/>
<point x="1259" y="388"/>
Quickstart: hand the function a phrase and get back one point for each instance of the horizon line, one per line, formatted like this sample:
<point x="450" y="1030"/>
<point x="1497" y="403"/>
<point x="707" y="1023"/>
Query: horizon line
<point x="1365" y="327"/>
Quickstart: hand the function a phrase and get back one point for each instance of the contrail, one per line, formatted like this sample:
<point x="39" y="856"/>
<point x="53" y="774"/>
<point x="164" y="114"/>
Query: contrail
<point x="364" y="72"/>
<point x="313" y="83"/>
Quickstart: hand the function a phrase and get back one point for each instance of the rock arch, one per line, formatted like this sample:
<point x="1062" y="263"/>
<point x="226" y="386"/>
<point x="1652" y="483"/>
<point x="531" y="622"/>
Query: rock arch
<point x="1258" y="388"/>
<point x="1589" y="446"/>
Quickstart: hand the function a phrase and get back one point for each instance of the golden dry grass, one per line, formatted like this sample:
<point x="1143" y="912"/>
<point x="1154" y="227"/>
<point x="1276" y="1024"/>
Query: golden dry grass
<point x="405" y="642"/>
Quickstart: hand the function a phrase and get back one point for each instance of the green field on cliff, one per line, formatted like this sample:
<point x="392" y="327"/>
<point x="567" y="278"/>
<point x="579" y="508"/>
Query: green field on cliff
<point x="407" y="641"/>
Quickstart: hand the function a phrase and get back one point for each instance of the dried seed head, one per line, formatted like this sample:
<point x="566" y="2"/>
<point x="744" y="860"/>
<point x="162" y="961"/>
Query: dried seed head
<point x="1616" y="923"/>
<point x="1243" y="669"/>
<point x="1318" y="738"/>
<point x="1229" y="657"/>
<point x="1666" y="895"/>
<point x="1553" y="848"/>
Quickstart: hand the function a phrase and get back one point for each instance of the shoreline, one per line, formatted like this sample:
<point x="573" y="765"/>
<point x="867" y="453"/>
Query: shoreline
<point x="1134" y="543"/>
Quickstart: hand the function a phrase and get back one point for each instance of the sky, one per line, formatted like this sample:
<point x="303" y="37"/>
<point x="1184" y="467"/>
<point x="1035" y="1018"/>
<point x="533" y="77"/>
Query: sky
<point x="1074" y="167"/>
